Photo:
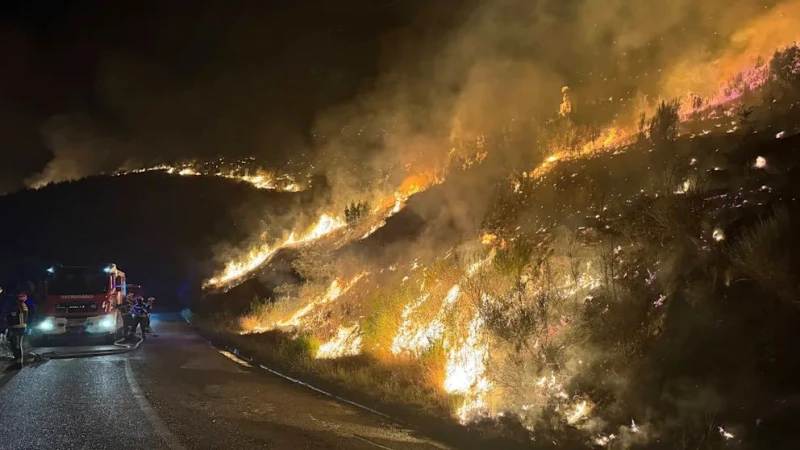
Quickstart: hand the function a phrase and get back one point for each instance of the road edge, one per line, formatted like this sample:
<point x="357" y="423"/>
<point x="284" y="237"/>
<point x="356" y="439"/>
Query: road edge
<point x="449" y="433"/>
<point x="160" y="427"/>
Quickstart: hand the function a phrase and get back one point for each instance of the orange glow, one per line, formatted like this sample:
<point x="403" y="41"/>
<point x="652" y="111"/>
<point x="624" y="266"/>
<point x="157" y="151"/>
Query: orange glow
<point x="775" y="29"/>
<point x="417" y="183"/>
<point x="259" y="179"/>
<point x="610" y="139"/>
<point x="257" y="256"/>
<point x="488" y="238"/>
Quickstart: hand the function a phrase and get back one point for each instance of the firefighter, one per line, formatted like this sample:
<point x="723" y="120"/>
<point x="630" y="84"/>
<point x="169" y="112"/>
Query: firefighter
<point x="125" y="311"/>
<point x="140" y="314"/>
<point x="16" y="321"/>
<point x="29" y="319"/>
<point x="150" y="302"/>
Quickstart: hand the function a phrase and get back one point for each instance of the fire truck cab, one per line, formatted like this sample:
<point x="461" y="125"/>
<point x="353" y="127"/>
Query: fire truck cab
<point x="82" y="301"/>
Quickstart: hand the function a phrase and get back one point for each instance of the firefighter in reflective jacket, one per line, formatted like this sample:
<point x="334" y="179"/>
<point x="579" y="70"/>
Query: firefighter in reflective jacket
<point x="125" y="311"/>
<point x="141" y="316"/>
<point x="16" y="320"/>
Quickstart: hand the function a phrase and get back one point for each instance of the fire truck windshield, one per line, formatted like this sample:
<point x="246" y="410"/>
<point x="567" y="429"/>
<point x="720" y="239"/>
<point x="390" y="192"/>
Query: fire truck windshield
<point x="75" y="281"/>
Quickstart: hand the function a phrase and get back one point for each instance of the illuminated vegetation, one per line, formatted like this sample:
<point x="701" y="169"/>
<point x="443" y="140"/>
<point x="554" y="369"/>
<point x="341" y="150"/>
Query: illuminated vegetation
<point x="584" y="309"/>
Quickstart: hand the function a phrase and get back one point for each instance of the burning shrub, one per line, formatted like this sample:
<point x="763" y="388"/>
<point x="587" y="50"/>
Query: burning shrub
<point x="525" y="314"/>
<point x="315" y="263"/>
<point x="663" y="126"/>
<point x="385" y="306"/>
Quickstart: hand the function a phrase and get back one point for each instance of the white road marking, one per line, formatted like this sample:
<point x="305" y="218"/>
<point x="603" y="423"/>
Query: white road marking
<point x="316" y="389"/>
<point x="372" y="442"/>
<point x="162" y="430"/>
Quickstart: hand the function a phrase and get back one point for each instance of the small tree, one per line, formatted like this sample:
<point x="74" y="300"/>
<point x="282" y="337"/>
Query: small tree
<point x="641" y="128"/>
<point x="354" y="212"/>
<point x="663" y="126"/>
<point x="785" y="68"/>
<point x="744" y="115"/>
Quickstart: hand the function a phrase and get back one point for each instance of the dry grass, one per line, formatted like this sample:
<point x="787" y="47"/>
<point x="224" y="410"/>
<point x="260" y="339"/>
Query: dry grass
<point x="762" y="253"/>
<point x="248" y="322"/>
<point x="402" y="381"/>
<point x="384" y="316"/>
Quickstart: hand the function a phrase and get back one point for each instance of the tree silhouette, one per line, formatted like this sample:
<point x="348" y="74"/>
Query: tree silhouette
<point x="663" y="126"/>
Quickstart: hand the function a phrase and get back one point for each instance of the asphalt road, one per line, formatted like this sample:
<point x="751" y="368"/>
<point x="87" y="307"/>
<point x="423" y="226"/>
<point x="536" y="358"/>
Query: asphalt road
<point x="177" y="391"/>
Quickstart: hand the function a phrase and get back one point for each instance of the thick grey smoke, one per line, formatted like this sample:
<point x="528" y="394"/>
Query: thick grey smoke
<point x="79" y="150"/>
<point x="504" y="64"/>
<point x="407" y="82"/>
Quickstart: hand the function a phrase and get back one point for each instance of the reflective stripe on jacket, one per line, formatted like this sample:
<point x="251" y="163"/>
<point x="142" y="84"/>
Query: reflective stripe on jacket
<point x="17" y="317"/>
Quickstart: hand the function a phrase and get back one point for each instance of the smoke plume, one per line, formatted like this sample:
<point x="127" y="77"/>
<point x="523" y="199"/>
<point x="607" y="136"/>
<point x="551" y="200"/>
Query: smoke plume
<point x="79" y="150"/>
<point x="412" y="84"/>
<point x="504" y="63"/>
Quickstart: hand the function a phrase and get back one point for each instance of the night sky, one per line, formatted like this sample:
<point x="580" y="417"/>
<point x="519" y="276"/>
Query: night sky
<point x="108" y="80"/>
<point x="90" y="86"/>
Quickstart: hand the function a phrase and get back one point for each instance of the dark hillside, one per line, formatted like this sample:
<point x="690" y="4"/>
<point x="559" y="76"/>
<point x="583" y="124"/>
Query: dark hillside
<point x="160" y="229"/>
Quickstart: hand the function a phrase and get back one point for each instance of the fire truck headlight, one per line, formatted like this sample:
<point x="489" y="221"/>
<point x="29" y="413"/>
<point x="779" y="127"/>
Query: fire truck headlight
<point x="107" y="323"/>
<point x="47" y="324"/>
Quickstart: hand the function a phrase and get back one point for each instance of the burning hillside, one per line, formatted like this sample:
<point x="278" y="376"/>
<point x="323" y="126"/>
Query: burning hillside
<point x="573" y="289"/>
<point x="243" y="170"/>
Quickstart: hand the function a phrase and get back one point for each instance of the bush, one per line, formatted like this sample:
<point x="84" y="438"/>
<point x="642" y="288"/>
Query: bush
<point x="763" y="253"/>
<point x="663" y="126"/>
<point x="385" y="308"/>
<point x="314" y="263"/>
<point x="527" y="310"/>
<point x="354" y="212"/>
<point x="785" y="68"/>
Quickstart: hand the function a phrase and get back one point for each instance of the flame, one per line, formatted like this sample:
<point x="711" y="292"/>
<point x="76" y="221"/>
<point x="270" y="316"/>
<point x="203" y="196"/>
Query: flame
<point x="488" y="238"/>
<point x="466" y="370"/>
<point x="253" y="259"/>
<point x="260" y="179"/>
<point x="604" y="440"/>
<point x="235" y="270"/>
<point x="578" y="412"/>
<point x="334" y="291"/>
<point x="188" y="171"/>
<point x="775" y="28"/>
<point x="468" y="348"/>
<point x="724" y="433"/>
<point x="415" y="337"/>
<point x="417" y="183"/>
<point x="347" y="342"/>
<point x="566" y="105"/>
<point x="610" y="139"/>
<point x="256" y="257"/>
<point x="412" y="338"/>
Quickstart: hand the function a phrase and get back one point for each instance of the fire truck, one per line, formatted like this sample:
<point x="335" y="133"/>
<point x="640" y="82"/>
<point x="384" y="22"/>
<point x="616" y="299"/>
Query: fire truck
<point x="136" y="289"/>
<point x="82" y="301"/>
